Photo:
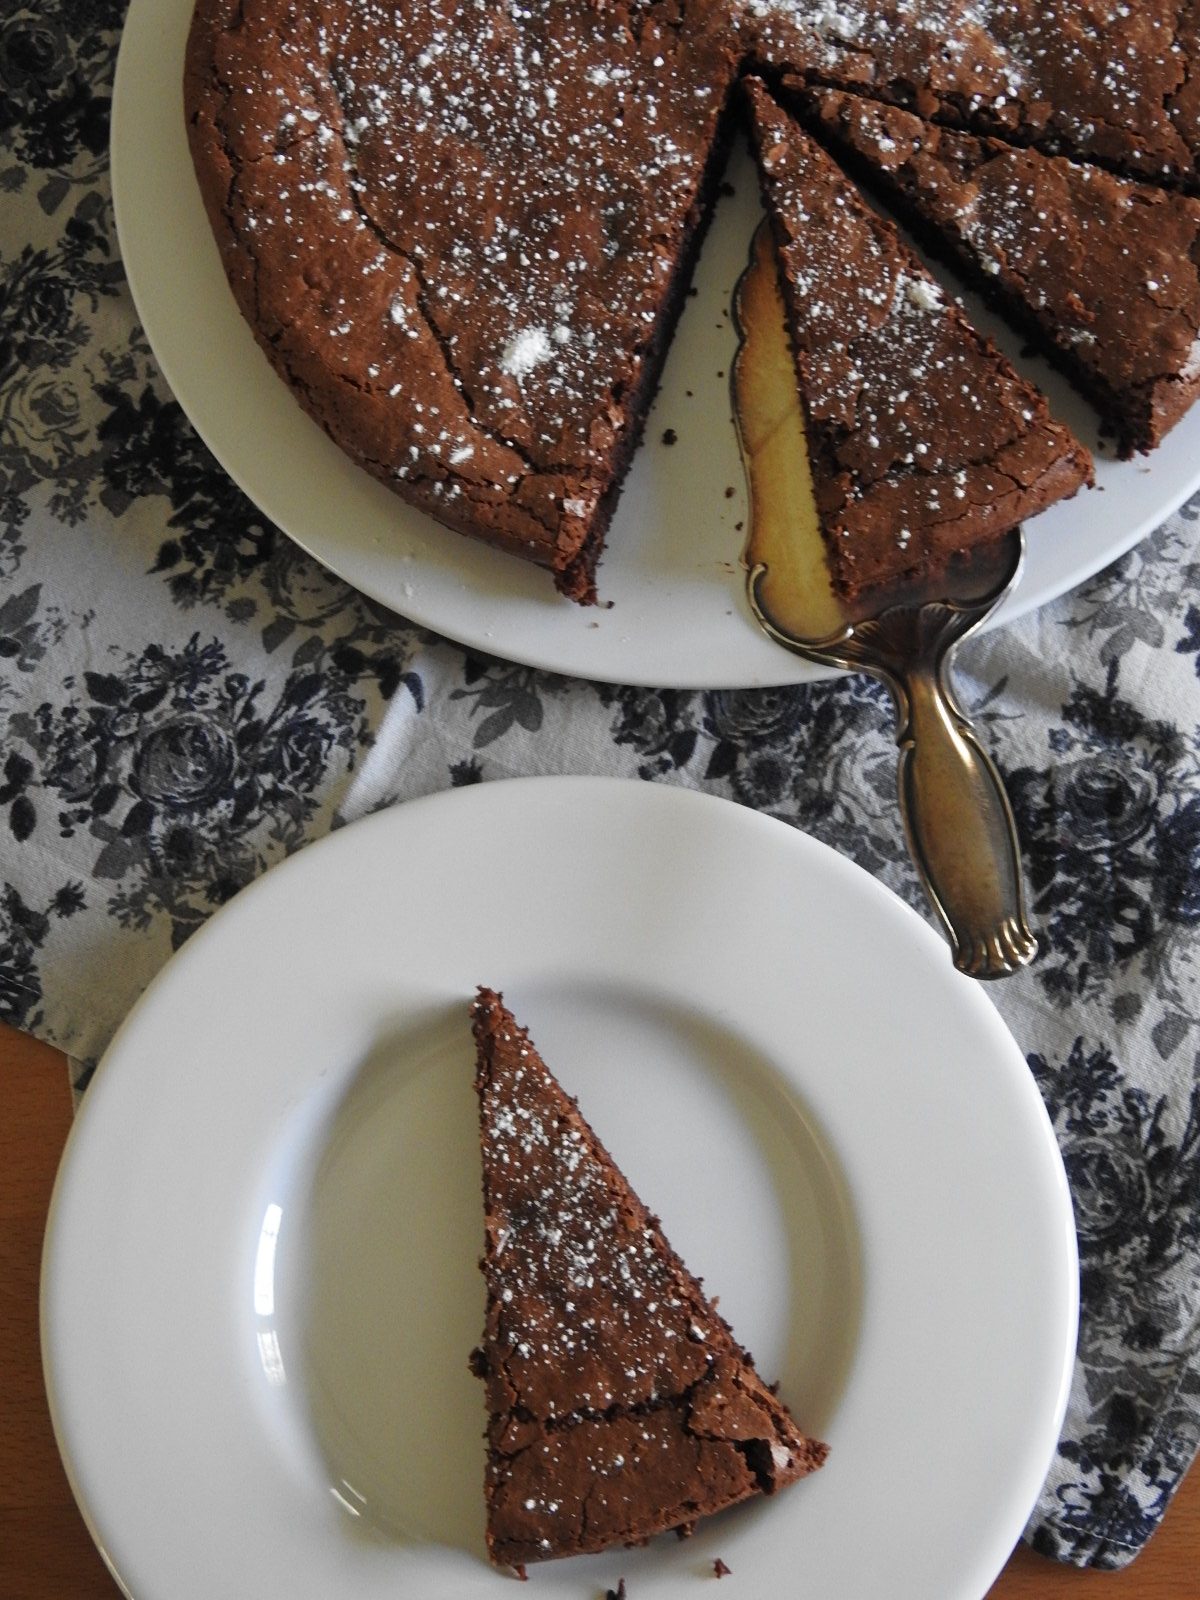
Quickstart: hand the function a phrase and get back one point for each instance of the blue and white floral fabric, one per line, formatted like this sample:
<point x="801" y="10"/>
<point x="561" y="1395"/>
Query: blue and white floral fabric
<point x="185" y="698"/>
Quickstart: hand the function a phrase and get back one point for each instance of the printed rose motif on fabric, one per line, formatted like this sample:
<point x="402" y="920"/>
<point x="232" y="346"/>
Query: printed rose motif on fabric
<point x="189" y="777"/>
<point x="1111" y="842"/>
<point x="23" y="932"/>
<point x="1133" y="1160"/>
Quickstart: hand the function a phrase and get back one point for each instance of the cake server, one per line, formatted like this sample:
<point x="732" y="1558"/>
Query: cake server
<point x="957" y="818"/>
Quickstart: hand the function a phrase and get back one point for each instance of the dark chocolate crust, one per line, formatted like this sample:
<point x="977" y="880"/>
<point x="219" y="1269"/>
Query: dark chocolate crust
<point x="464" y="243"/>
<point x="619" y="1403"/>
<point x="1103" y="272"/>
<point x="923" y="440"/>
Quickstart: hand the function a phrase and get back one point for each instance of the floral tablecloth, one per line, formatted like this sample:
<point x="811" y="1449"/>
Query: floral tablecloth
<point x="185" y="698"/>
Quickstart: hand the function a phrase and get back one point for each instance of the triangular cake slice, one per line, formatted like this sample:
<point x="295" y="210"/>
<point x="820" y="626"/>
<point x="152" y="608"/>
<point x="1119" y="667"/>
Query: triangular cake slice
<point x="923" y="440"/>
<point x="619" y="1403"/>
<point x="1102" y="272"/>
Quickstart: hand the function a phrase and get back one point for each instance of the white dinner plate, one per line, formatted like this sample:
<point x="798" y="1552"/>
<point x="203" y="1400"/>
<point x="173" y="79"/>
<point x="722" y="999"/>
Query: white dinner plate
<point x="679" y="616"/>
<point x="260" y="1285"/>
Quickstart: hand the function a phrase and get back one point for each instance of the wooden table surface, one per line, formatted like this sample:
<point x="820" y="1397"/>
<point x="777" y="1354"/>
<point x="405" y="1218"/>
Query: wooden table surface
<point x="45" y="1551"/>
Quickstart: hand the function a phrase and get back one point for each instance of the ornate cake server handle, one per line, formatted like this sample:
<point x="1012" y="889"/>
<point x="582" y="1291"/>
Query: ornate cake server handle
<point x="958" y="822"/>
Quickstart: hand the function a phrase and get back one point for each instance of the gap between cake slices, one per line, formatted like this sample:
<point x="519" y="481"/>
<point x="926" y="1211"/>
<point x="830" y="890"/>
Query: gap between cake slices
<point x="1100" y="272"/>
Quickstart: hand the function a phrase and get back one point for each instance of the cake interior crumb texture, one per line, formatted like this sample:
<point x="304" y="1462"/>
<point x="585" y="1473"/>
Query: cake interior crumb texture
<point x="463" y="230"/>
<point x="619" y="1404"/>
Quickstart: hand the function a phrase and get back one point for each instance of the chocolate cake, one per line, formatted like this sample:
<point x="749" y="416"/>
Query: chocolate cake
<point x="1102" y="272"/>
<point x="462" y="233"/>
<point x="923" y="441"/>
<point x="619" y="1403"/>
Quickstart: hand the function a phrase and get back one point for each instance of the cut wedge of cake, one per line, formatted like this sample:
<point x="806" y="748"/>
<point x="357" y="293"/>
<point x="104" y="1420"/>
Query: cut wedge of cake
<point x="619" y="1403"/>
<point x="923" y="440"/>
<point x="1102" y="272"/>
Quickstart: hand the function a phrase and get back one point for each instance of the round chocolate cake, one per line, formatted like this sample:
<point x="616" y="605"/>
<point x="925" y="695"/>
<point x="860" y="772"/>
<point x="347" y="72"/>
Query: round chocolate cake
<point x="462" y="230"/>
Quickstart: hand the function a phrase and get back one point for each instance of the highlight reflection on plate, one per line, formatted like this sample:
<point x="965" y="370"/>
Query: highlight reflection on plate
<point x="268" y="1217"/>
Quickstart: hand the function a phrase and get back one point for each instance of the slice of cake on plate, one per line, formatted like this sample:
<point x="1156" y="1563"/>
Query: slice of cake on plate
<point x="923" y="440"/>
<point x="1103" y="273"/>
<point x="619" y="1403"/>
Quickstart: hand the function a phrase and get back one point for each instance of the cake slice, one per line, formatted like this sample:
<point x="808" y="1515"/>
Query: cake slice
<point x="1102" y="272"/>
<point x="619" y="1403"/>
<point x="923" y="440"/>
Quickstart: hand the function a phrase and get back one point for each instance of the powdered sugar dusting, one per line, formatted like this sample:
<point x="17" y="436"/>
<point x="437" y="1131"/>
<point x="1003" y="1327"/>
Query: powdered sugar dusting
<point x="958" y="31"/>
<point x="1101" y="75"/>
<point x="1105" y="266"/>
<point x="828" y="18"/>
<point x="902" y="398"/>
<point x="524" y="352"/>
<point x="923" y="293"/>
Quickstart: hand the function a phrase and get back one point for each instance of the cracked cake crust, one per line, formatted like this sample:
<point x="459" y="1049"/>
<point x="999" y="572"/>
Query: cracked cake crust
<point x="1098" y="80"/>
<point x="619" y="1403"/>
<point x="924" y="441"/>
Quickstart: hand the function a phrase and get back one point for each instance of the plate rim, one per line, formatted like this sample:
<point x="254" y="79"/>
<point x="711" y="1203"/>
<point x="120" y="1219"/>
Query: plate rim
<point x="56" y="1343"/>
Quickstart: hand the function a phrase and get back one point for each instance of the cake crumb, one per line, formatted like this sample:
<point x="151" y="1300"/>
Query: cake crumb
<point x="618" y="1593"/>
<point x="670" y="436"/>
<point x="720" y="1570"/>
<point x="519" y="1572"/>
